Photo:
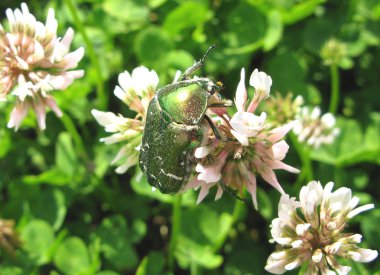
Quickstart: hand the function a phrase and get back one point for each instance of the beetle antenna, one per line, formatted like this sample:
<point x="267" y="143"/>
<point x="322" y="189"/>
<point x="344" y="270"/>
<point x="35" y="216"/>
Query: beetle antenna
<point x="207" y="53"/>
<point x="197" y="64"/>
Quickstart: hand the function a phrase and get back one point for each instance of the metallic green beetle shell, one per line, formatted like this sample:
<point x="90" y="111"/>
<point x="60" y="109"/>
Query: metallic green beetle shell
<point x="173" y="128"/>
<point x="186" y="104"/>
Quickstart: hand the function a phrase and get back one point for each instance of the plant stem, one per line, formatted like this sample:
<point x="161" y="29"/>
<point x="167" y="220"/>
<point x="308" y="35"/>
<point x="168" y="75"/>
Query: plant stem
<point x="70" y="127"/>
<point x="309" y="175"/>
<point x="102" y="97"/>
<point x="194" y="269"/>
<point x="334" y="73"/>
<point x="176" y="228"/>
<point x="338" y="176"/>
<point x="304" y="154"/>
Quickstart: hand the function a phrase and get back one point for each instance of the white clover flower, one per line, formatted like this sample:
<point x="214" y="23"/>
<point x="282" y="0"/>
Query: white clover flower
<point x="34" y="62"/>
<point x="253" y="149"/>
<point x="135" y="90"/>
<point x="311" y="231"/>
<point x="313" y="129"/>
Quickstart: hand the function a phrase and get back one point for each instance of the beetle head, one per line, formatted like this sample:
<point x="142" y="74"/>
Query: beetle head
<point x="213" y="87"/>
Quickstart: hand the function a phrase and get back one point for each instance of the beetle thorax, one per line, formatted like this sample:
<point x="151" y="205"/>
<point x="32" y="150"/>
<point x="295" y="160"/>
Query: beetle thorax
<point x="185" y="102"/>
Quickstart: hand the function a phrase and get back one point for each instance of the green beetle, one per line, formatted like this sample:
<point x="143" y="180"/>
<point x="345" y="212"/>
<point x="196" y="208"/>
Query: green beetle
<point x="174" y="127"/>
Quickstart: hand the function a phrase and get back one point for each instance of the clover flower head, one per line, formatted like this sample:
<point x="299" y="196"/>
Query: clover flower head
<point x="311" y="231"/>
<point x="9" y="238"/>
<point x="135" y="90"/>
<point x="283" y="109"/>
<point x="34" y="62"/>
<point x="333" y="52"/>
<point x="314" y="129"/>
<point x="252" y="148"/>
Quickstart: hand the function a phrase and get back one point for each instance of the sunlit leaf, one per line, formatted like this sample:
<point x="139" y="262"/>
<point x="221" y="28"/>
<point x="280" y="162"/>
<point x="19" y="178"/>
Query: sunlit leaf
<point x="72" y="256"/>
<point x="351" y="145"/>
<point x="189" y="252"/>
<point x="132" y="12"/>
<point x="186" y="16"/>
<point x="152" y="264"/>
<point x="274" y="30"/>
<point x="143" y="45"/>
<point x="115" y="242"/>
<point x="38" y="238"/>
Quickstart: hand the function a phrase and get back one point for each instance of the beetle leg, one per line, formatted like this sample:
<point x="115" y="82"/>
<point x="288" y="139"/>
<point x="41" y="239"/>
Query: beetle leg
<point x="216" y="131"/>
<point x="197" y="64"/>
<point x="223" y="103"/>
<point x="233" y="193"/>
<point x="216" y="100"/>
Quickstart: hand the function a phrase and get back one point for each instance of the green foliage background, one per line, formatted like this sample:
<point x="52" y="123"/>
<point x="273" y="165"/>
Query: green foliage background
<point x="75" y="215"/>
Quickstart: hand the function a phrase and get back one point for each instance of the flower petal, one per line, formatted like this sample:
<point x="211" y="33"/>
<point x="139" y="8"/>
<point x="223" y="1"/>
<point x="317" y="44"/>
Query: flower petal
<point x="241" y="93"/>
<point x="202" y="151"/>
<point x="280" y="149"/>
<point x="18" y="114"/>
<point x="280" y="165"/>
<point x="261" y="82"/>
<point x="247" y="123"/>
<point x="241" y="138"/>
<point x="209" y="173"/>
<point x="251" y="188"/>
<point x="278" y="133"/>
<point x="270" y="177"/>
<point x="203" y="193"/>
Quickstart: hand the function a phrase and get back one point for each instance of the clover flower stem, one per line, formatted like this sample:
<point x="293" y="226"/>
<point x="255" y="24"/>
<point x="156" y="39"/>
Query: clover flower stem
<point x="194" y="268"/>
<point x="176" y="228"/>
<point x="304" y="155"/>
<point x="338" y="175"/>
<point x="70" y="127"/>
<point x="101" y="95"/>
<point x="334" y="101"/>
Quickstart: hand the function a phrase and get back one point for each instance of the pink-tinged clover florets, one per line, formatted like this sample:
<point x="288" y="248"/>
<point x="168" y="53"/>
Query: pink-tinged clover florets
<point x="310" y="231"/>
<point x="251" y="147"/>
<point x="33" y="63"/>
